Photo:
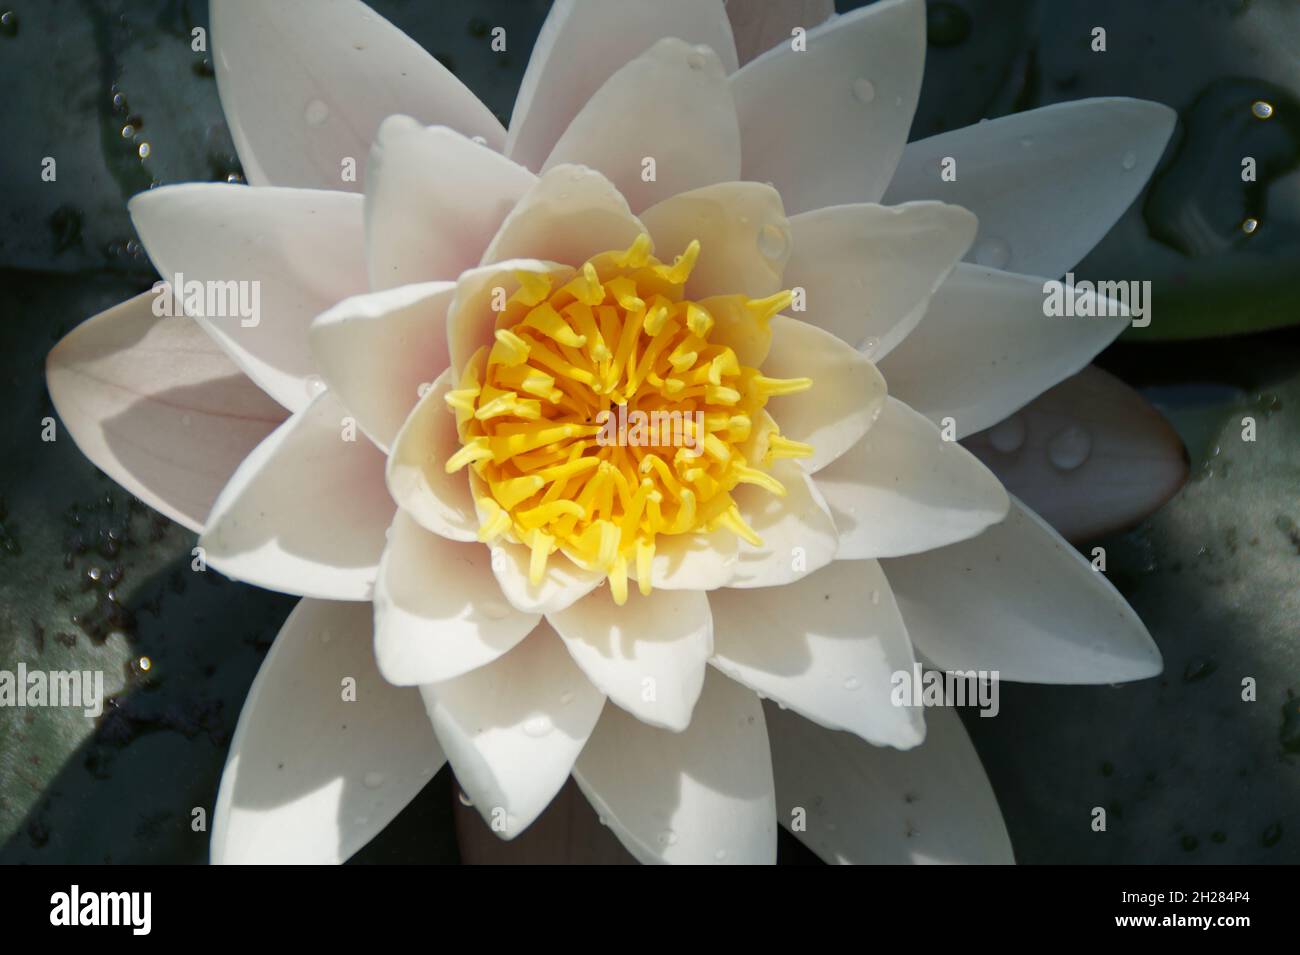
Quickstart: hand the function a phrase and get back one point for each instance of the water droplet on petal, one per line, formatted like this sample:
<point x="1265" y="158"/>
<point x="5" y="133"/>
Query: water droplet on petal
<point x="869" y="346"/>
<point x="1129" y="161"/>
<point x="720" y="854"/>
<point x="537" y="726"/>
<point x="772" y="241"/>
<point x="566" y="697"/>
<point x="992" y="252"/>
<point x="852" y="683"/>
<point x="668" y="838"/>
<point x="144" y="150"/>
<point x="315" y="385"/>
<point x="316" y="113"/>
<point x="1009" y="435"/>
<point x="864" y="90"/>
<point x="373" y="780"/>
<point x="875" y="598"/>
<point x="464" y="800"/>
<point x="695" y="60"/>
<point x="1069" y="448"/>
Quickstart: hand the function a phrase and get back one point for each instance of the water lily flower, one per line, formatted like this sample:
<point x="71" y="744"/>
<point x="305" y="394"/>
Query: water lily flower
<point x="410" y="434"/>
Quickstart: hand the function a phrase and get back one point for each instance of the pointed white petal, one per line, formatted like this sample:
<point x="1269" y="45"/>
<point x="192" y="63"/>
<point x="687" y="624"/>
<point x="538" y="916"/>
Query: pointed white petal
<point x="827" y="646"/>
<point x="564" y="583"/>
<point x="569" y="215"/>
<point x="743" y="233"/>
<point x="865" y="804"/>
<point x="438" y="610"/>
<point x="433" y="201"/>
<point x="647" y="656"/>
<point x="582" y="44"/>
<point x="986" y="348"/>
<point x="512" y="729"/>
<point x="1020" y="600"/>
<point x="847" y="392"/>
<point x="902" y="489"/>
<point x="700" y="796"/>
<point x="797" y="530"/>
<point x="287" y="254"/>
<point x="376" y="352"/>
<point x="1047" y="183"/>
<point x="306" y="512"/>
<point x="157" y="406"/>
<point x="312" y="775"/>
<point x="868" y="270"/>
<point x="700" y="561"/>
<point x="305" y="84"/>
<point x="416" y="474"/>
<point x="826" y="125"/>
<point x="670" y="105"/>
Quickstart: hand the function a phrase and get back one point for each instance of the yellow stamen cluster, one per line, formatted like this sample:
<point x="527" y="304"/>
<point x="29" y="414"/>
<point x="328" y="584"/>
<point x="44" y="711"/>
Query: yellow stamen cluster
<point x="570" y="366"/>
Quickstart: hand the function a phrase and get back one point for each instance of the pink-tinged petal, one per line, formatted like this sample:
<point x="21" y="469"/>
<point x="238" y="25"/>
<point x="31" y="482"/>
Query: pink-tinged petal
<point x="671" y="105"/>
<point x="1047" y="183"/>
<point x="438" y="610"/>
<point x="846" y="396"/>
<point x="583" y="43"/>
<point x="305" y="84"/>
<point x="434" y="199"/>
<point x="700" y="796"/>
<point x="797" y="530"/>
<point x="569" y="215"/>
<point x="306" y="512"/>
<point x="827" y="124"/>
<point x="471" y="320"/>
<point x="743" y="233"/>
<point x="868" y="270"/>
<point x="986" y="347"/>
<point x="379" y="352"/>
<point x="1021" y="601"/>
<point x="648" y="655"/>
<point x="827" y="646"/>
<point x="863" y="804"/>
<point x="416" y="474"/>
<point x="157" y="406"/>
<point x="1090" y="456"/>
<point x="759" y="25"/>
<point x="314" y="771"/>
<point x="291" y="252"/>
<point x="512" y="729"/>
<point x="902" y="489"/>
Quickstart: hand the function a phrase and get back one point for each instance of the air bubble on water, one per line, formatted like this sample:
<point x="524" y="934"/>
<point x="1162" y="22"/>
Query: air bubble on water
<point x="1069" y="448"/>
<point x="1261" y="109"/>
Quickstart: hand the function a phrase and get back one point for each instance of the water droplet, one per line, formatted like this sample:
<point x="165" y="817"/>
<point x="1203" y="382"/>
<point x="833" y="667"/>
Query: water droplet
<point x="373" y="780"/>
<point x="566" y="697"/>
<point x="9" y="23"/>
<point x="773" y="242"/>
<point x="537" y="726"/>
<point x="144" y="150"/>
<point x="668" y="838"/>
<point x="720" y="854"/>
<point x="992" y="251"/>
<point x="1250" y="225"/>
<point x="875" y="598"/>
<point x="869" y="346"/>
<point x="464" y="800"/>
<point x="1026" y="141"/>
<point x="1009" y="435"/>
<point x="185" y="420"/>
<point x="1261" y="109"/>
<point x="315" y="385"/>
<point x="1069" y="448"/>
<point x="864" y="90"/>
<point x="1129" y="161"/>
<point x="852" y="683"/>
<point x="316" y="113"/>
<point x="695" y="60"/>
<point x="602" y="820"/>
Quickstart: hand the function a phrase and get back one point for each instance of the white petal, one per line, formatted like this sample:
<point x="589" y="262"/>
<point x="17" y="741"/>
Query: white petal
<point x="700" y="796"/>
<point x="306" y="511"/>
<point x="471" y="321"/>
<point x="434" y="199"/>
<point x="512" y="729"/>
<point x="581" y="45"/>
<point x="564" y="583"/>
<point x="868" y="270"/>
<point x="671" y="104"/>
<point x="759" y="25"/>
<point x="1020" y="600"/>
<point x="743" y="232"/>
<point x="864" y="804"/>
<point x="797" y="530"/>
<point x="827" y="646"/>
<point x="902" y="489"/>
<point x="985" y="348"/>
<point x="157" y="405"/>
<point x="1047" y="183"/>
<point x="304" y="85"/>
<point x="438" y="610"/>
<point x="826" y="125"/>
<point x="417" y="478"/>
<point x="293" y="253"/>
<point x="312" y="776"/>
<point x="569" y="215"/>
<point x="700" y="561"/>
<point x="647" y="656"/>
<point x="847" y="392"/>
<point x="377" y="351"/>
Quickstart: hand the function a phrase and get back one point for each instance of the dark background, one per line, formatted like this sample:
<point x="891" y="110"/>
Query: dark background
<point x="89" y="578"/>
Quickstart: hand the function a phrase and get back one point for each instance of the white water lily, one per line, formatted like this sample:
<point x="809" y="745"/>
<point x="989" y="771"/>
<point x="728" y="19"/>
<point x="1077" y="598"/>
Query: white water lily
<point x="558" y="600"/>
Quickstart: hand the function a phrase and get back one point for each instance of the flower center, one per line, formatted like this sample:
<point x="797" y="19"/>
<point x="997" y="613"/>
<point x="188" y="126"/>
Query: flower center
<point x="611" y="410"/>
